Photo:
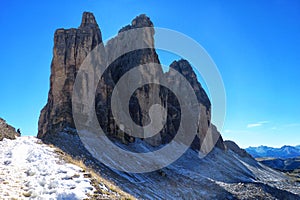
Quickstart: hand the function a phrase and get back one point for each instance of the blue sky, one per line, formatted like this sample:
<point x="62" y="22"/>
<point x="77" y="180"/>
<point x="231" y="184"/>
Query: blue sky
<point x="255" y="44"/>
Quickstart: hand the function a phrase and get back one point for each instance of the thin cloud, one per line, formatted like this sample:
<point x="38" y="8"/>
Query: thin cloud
<point x="263" y="122"/>
<point x="253" y="125"/>
<point x="257" y="124"/>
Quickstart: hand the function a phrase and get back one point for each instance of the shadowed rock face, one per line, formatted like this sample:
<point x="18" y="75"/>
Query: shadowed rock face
<point x="7" y="131"/>
<point x="71" y="46"/>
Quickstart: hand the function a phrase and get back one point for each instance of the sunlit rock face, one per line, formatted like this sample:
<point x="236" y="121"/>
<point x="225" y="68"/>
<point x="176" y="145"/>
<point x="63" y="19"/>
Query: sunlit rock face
<point x="71" y="46"/>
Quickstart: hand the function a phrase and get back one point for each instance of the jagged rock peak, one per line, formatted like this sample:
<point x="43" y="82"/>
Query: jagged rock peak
<point x="181" y="65"/>
<point x="88" y="20"/>
<point x="185" y="68"/>
<point x="141" y="21"/>
<point x="138" y="22"/>
<point x="70" y="49"/>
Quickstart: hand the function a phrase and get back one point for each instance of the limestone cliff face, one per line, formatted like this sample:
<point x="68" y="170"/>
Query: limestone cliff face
<point x="72" y="46"/>
<point x="204" y="120"/>
<point x="118" y="68"/>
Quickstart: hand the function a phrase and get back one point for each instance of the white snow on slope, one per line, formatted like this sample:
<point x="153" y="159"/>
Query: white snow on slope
<point x="29" y="169"/>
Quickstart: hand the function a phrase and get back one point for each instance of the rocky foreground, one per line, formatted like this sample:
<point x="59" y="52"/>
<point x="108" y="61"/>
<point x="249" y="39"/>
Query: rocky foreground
<point x="32" y="170"/>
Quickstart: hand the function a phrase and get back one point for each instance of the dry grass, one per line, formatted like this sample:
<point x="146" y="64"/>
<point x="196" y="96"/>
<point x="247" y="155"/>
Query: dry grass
<point x="295" y="175"/>
<point x="96" y="179"/>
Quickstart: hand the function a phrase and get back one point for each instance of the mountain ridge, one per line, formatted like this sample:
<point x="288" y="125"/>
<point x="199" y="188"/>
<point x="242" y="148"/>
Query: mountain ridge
<point x="285" y="151"/>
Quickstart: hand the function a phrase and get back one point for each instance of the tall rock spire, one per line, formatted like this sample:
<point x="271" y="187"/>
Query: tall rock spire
<point x="71" y="46"/>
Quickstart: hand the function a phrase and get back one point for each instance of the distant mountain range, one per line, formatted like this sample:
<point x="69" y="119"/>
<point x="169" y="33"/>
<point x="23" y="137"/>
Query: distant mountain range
<point x="270" y="152"/>
<point x="286" y="158"/>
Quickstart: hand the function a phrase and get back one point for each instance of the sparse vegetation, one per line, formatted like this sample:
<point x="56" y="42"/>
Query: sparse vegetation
<point x="105" y="189"/>
<point x="295" y="175"/>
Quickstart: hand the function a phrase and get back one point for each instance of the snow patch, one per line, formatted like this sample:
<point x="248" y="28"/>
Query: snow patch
<point x="30" y="169"/>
